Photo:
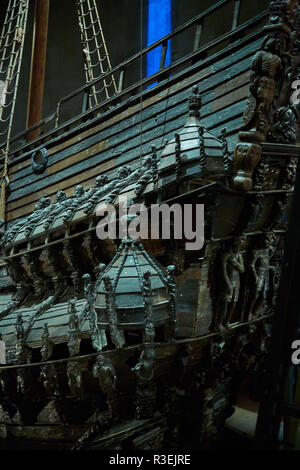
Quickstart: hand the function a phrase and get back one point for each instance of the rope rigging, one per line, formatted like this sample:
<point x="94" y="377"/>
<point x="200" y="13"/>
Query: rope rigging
<point x="96" y="57"/>
<point x="96" y="63"/>
<point x="11" y="51"/>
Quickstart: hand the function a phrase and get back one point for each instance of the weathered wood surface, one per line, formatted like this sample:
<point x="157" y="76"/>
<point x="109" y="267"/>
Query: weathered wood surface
<point x="115" y="142"/>
<point x="38" y="66"/>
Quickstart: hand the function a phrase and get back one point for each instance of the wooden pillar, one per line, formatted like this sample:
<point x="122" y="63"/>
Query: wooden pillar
<point x="38" y="66"/>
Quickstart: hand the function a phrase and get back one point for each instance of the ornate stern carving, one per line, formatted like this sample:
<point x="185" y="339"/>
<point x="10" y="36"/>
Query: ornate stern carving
<point x="269" y="114"/>
<point x="74" y="339"/>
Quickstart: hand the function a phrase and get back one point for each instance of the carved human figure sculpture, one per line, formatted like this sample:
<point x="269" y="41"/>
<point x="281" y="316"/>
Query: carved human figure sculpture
<point x="260" y="269"/>
<point x="105" y="373"/>
<point x="146" y="388"/>
<point x="74" y="339"/>
<point x="232" y="268"/>
<point x="265" y="67"/>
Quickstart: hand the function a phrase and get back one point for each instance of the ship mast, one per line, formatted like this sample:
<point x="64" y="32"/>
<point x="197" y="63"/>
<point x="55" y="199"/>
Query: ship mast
<point x="38" y="67"/>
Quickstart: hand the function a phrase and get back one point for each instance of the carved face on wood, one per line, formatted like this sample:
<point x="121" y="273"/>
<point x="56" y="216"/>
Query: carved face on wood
<point x="123" y="172"/>
<point x="236" y="244"/>
<point x="61" y="196"/>
<point x="277" y="12"/>
<point x="43" y="202"/>
<point x="275" y="44"/>
<point x="79" y="191"/>
<point x="101" y="180"/>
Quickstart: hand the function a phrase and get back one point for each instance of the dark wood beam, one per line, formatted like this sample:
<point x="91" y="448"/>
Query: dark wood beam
<point x="38" y="67"/>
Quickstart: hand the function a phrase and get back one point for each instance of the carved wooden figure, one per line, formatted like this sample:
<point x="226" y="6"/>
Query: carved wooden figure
<point x="105" y="373"/>
<point x="74" y="339"/>
<point x="74" y="374"/>
<point x="47" y="345"/>
<point x="232" y="265"/>
<point x="146" y="387"/>
<point x="260" y="269"/>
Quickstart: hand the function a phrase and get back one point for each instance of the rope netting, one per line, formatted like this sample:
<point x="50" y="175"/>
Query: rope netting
<point x="96" y="63"/>
<point x="11" y="51"/>
<point x="95" y="53"/>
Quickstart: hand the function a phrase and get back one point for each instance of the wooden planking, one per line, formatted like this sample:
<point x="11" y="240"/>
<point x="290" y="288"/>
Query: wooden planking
<point x="228" y="60"/>
<point x="177" y="114"/>
<point x="130" y="140"/>
<point x="91" y="174"/>
<point x="128" y="122"/>
<point x="87" y="178"/>
<point x="239" y="88"/>
<point x="101" y="154"/>
<point x="103" y="145"/>
<point x="221" y="65"/>
<point x="113" y="134"/>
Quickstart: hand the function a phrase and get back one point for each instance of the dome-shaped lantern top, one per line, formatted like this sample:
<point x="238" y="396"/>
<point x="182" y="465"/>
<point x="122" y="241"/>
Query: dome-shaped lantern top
<point x="194" y="153"/>
<point x="121" y="288"/>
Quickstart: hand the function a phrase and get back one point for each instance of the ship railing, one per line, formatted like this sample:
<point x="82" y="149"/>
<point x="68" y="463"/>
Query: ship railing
<point x="54" y="125"/>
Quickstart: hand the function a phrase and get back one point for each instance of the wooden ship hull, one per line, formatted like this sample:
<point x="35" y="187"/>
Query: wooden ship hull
<point x="165" y="370"/>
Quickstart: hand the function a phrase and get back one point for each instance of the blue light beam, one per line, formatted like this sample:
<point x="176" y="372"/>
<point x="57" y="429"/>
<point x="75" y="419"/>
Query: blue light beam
<point x="159" y="25"/>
